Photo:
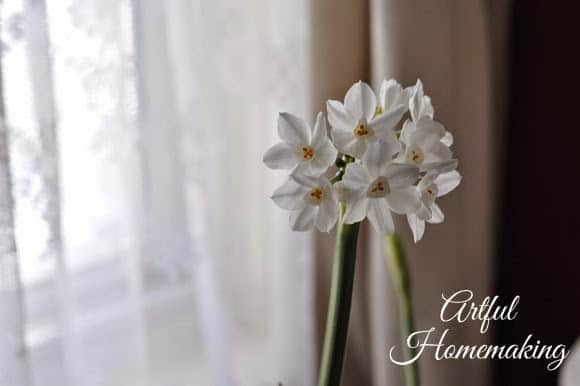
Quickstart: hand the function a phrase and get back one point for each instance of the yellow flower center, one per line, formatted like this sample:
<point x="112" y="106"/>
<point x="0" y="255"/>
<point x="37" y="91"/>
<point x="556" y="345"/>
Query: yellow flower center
<point x="361" y="130"/>
<point x="307" y="153"/>
<point x="429" y="194"/>
<point x="315" y="196"/>
<point x="379" y="188"/>
<point x="415" y="154"/>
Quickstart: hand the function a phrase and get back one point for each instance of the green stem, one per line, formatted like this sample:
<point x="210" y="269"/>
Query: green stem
<point x="402" y="281"/>
<point x="339" y="303"/>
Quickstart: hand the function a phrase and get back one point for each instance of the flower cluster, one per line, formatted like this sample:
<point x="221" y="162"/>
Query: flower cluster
<point x="382" y="169"/>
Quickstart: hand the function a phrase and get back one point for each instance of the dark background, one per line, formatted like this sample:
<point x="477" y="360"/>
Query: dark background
<point x="539" y="230"/>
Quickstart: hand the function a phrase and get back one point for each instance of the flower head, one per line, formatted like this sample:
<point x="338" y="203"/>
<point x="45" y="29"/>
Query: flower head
<point x="423" y="146"/>
<point x="354" y="123"/>
<point x="307" y="148"/>
<point x="378" y="186"/>
<point x="432" y="186"/>
<point x="313" y="201"/>
<point x="382" y="170"/>
<point x="425" y="141"/>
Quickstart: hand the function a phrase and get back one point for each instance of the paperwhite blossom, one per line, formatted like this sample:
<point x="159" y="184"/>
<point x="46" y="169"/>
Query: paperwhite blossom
<point x="308" y="148"/>
<point x="378" y="186"/>
<point x="425" y="141"/>
<point x="312" y="200"/>
<point x="354" y="124"/>
<point x="422" y="146"/>
<point x="432" y="185"/>
<point x="420" y="107"/>
<point x="401" y="171"/>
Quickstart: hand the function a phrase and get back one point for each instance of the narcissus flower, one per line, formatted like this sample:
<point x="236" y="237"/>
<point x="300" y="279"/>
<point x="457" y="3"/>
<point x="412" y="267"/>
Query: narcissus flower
<point x="422" y="146"/>
<point x="354" y="123"/>
<point x="312" y="200"/>
<point x="432" y="185"/>
<point x="307" y="148"/>
<point x="378" y="186"/>
<point x="401" y="171"/>
<point x="421" y="108"/>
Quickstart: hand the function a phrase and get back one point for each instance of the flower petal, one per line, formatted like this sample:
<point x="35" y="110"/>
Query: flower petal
<point x="378" y="155"/>
<point x="305" y="180"/>
<point x="347" y="143"/>
<point x="420" y="105"/>
<point x="324" y="157"/>
<point x="417" y="227"/>
<point x="356" y="178"/>
<point x="446" y="182"/>
<point x="404" y="200"/>
<point x="437" y="216"/>
<point x="356" y="207"/>
<point x="380" y="216"/>
<point x="319" y="132"/>
<point x="282" y="156"/>
<point x="339" y="117"/>
<point x="447" y="139"/>
<point x="328" y="210"/>
<point x="416" y="100"/>
<point x="427" y="108"/>
<point x="303" y="219"/>
<point x="424" y="212"/>
<point x="401" y="175"/>
<point x="293" y="129"/>
<point x="427" y="180"/>
<point x="426" y="137"/>
<point x="290" y="196"/>
<point x="426" y="123"/>
<point x="392" y="95"/>
<point x="439" y="166"/>
<point x="439" y="152"/>
<point x="361" y="101"/>
<point x="407" y="132"/>
<point x="408" y="92"/>
<point x="384" y="123"/>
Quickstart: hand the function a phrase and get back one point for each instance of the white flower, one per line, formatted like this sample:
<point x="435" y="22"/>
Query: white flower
<point x="354" y="124"/>
<point x="392" y="96"/>
<point x="422" y="146"/>
<point x="420" y="107"/>
<point x="378" y="186"/>
<point x="433" y="185"/>
<point x="309" y="148"/>
<point x="312" y="200"/>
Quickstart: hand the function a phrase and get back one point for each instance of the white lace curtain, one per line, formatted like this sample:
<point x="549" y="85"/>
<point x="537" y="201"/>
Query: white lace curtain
<point x="140" y="246"/>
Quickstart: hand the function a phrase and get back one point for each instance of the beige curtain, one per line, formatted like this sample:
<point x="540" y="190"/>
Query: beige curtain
<point x="456" y="47"/>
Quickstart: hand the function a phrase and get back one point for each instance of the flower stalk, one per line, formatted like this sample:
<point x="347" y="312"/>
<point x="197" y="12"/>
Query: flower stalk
<point x="386" y="168"/>
<point x="339" y="302"/>
<point x="402" y="281"/>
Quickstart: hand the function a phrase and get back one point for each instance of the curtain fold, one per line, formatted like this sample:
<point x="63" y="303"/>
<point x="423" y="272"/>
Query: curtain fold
<point x="13" y="361"/>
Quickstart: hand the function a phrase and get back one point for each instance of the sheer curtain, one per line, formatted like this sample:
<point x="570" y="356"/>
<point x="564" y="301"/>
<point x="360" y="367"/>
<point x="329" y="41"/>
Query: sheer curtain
<point x="148" y="250"/>
<point x="138" y="243"/>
